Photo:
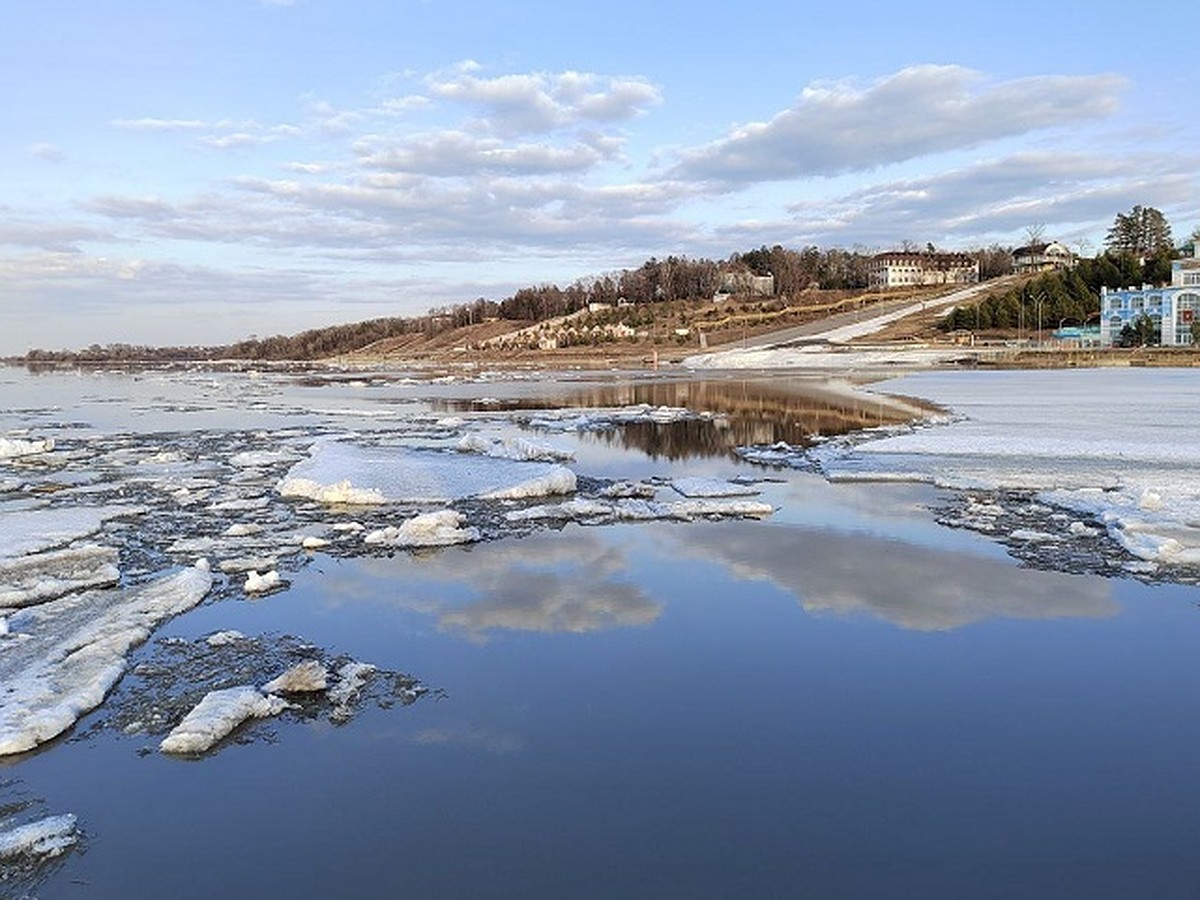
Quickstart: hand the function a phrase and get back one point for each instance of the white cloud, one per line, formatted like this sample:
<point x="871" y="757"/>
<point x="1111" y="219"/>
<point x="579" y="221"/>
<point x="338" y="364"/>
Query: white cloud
<point x="47" y="152"/>
<point x="540" y="101"/>
<point x="836" y="127"/>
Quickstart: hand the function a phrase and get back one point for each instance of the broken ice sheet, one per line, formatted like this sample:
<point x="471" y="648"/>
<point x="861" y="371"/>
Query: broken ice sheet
<point x="61" y="657"/>
<point x="33" y="842"/>
<point x="176" y="675"/>
<point x="342" y="472"/>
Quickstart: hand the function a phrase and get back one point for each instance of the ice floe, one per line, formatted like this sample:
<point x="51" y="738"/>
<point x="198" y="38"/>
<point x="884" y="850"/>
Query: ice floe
<point x="638" y="510"/>
<point x="518" y="448"/>
<point x="37" y="577"/>
<point x="712" y="487"/>
<point x="435" y="529"/>
<point x="343" y="472"/>
<point x="260" y="584"/>
<point x="33" y="530"/>
<point x="1086" y="441"/>
<point x="304" y="677"/>
<point x="46" y="837"/>
<point x="11" y="448"/>
<point x="72" y="650"/>
<point x="217" y="715"/>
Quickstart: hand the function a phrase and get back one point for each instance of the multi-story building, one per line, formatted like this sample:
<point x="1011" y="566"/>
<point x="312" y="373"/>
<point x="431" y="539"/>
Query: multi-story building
<point x="1044" y="257"/>
<point x="1172" y="309"/>
<point x="901" y="268"/>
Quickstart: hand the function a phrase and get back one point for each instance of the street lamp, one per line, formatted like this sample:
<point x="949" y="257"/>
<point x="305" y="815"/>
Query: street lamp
<point x="1038" y="299"/>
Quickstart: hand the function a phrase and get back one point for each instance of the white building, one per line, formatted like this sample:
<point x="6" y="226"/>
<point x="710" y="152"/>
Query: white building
<point x="1172" y="308"/>
<point x="902" y="268"/>
<point x="1044" y="257"/>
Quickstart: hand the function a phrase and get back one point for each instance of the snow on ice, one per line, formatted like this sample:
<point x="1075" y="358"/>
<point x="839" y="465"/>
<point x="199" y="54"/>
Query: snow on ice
<point x="64" y="655"/>
<point x="1088" y="441"/>
<point x="342" y="472"/>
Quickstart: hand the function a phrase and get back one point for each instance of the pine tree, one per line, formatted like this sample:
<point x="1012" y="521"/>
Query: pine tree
<point x="1143" y="231"/>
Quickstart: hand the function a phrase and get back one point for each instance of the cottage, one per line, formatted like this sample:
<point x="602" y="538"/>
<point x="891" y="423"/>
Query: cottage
<point x="1042" y="257"/>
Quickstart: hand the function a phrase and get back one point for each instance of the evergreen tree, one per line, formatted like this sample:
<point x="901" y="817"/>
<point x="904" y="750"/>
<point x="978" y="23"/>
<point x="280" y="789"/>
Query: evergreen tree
<point x="1143" y="231"/>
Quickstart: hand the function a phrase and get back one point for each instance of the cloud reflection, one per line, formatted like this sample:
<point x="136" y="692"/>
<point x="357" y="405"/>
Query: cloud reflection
<point x="912" y="586"/>
<point x="543" y="583"/>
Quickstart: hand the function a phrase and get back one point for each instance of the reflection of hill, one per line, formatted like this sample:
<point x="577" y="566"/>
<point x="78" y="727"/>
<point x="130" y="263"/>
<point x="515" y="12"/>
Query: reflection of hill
<point x="747" y="412"/>
<point x="742" y="412"/>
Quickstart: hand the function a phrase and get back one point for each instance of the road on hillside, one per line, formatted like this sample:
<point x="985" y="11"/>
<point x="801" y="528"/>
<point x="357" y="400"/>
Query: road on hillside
<point x="856" y="323"/>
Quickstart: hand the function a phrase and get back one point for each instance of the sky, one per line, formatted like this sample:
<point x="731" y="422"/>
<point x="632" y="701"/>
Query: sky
<point x="202" y="171"/>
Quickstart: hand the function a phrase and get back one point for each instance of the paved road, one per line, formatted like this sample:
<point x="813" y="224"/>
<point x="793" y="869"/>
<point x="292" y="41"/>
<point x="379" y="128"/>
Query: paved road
<point x="857" y="323"/>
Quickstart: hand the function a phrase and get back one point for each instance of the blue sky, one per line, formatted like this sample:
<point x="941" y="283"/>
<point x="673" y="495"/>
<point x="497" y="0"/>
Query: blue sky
<point x="202" y="170"/>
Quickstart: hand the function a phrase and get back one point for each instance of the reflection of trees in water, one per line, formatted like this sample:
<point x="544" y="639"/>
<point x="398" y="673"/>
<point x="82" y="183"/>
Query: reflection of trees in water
<point x="746" y="413"/>
<point x="743" y="413"/>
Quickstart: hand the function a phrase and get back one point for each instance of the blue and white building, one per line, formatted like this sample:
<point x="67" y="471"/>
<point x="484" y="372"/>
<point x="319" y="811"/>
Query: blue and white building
<point x="1172" y="308"/>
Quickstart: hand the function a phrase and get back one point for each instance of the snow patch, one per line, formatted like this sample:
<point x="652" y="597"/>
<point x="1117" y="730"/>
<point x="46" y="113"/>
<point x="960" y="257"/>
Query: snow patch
<point x="46" y="837"/>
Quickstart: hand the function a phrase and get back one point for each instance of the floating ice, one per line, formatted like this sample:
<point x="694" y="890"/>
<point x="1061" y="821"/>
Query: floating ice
<point x="340" y="492"/>
<point x="11" y="448"/>
<point x="711" y="487"/>
<point x="512" y="448"/>
<point x="46" y="837"/>
<point x="38" y="577"/>
<point x="1136" y="473"/>
<point x="352" y="677"/>
<point x="342" y="472"/>
<point x="253" y="459"/>
<point x="218" y="714"/>
<point x="33" y="530"/>
<point x="74" y="649"/>
<point x="243" y="529"/>
<point x="222" y="638"/>
<point x="435" y="529"/>
<point x="637" y="510"/>
<point x="304" y="677"/>
<point x="258" y="584"/>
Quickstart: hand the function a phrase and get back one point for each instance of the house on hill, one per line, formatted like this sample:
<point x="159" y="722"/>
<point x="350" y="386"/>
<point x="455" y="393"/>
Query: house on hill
<point x="1042" y="257"/>
<point x="1172" y="309"/>
<point x="903" y="268"/>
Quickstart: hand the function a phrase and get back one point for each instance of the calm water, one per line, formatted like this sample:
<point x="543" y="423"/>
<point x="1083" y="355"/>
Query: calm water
<point x="844" y="700"/>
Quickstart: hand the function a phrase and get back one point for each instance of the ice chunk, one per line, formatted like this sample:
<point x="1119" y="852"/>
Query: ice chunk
<point x="74" y="649"/>
<point x="11" y="448"/>
<point x="559" y="480"/>
<point x="342" y="492"/>
<point x="711" y="487"/>
<point x="252" y="459"/>
<point x="243" y="529"/>
<point x="341" y="472"/>
<point x="214" y="717"/>
<point x="224" y="638"/>
<point x="36" y="578"/>
<point x="304" y="677"/>
<point x="435" y="529"/>
<point x="512" y="448"/>
<point x="46" y="837"/>
<point x="33" y="530"/>
<point x="258" y="584"/>
<point x="352" y="677"/>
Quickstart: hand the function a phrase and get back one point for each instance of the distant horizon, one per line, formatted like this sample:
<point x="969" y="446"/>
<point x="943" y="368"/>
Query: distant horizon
<point x="203" y="172"/>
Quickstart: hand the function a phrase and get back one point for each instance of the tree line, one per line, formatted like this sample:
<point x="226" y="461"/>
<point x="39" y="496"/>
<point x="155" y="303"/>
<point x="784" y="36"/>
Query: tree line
<point x="1138" y="249"/>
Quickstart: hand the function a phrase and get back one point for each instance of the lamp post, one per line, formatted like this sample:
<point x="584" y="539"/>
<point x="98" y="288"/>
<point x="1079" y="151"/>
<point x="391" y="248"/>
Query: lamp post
<point x="1038" y="300"/>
